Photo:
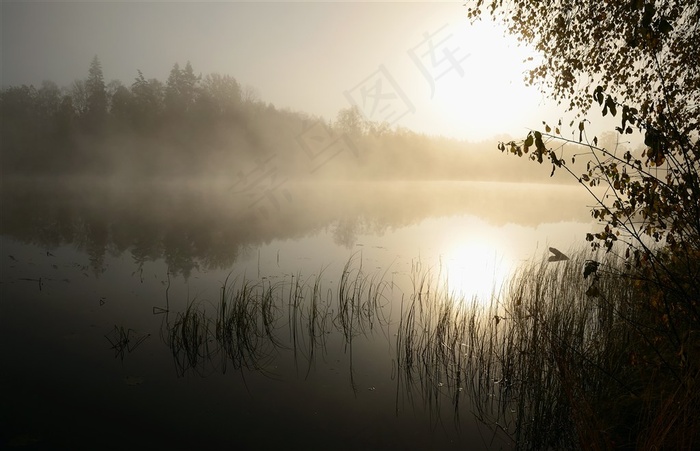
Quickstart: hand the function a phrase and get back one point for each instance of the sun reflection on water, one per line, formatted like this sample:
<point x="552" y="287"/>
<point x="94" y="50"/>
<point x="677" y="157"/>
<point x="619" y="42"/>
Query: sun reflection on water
<point x="475" y="269"/>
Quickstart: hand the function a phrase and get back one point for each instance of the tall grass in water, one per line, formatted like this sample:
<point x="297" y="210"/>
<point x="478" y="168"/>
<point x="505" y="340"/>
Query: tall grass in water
<point x="556" y="361"/>
<point x="582" y="363"/>
<point x="360" y="301"/>
<point x="439" y="342"/>
<point x="309" y="315"/>
<point x="245" y="324"/>
<point x="189" y="339"/>
<point x="542" y="352"/>
<point x="246" y="330"/>
<point x="241" y="333"/>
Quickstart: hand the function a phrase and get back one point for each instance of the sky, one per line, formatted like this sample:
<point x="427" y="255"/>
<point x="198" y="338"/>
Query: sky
<point x="418" y="65"/>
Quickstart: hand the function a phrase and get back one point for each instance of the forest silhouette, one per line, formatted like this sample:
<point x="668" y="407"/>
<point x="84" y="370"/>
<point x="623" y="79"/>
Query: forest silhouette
<point x="192" y="125"/>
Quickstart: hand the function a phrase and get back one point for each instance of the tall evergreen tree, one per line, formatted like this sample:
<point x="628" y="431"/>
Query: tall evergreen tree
<point x="96" y="93"/>
<point x="78" y="93"/>
<point x="181" y="90"/>
<point x="219" y="94"/>
<point x="148" y="98"/>
<point x="189" y="82"/>
<point x="121" y="103"/>
<point x="172" y="91"/>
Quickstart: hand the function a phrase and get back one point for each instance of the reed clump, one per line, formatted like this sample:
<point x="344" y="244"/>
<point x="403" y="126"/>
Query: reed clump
<point x="574" y="354"/>
<point x="588" y="362"/>
<point x="584" y="353"/>
<point x="247" y="327"/>
<point x="189" y="338"/>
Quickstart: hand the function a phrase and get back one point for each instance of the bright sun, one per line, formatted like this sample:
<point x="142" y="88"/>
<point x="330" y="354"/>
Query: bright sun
<point x="487" y="95"/>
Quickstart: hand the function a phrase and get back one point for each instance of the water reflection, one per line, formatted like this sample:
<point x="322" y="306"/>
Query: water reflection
<point x="124" y="341"/>
<point x="474" y="270"/>
<point x="383" y="328"/>
<point x="253" y="322"/>
<point x="438" y="342"/>
<point x="202" y="225"/>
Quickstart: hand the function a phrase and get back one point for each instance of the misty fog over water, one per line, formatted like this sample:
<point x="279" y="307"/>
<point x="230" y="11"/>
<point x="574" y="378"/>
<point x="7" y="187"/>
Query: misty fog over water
<point x="97" y="274"/>
<point x="190" y="263"/>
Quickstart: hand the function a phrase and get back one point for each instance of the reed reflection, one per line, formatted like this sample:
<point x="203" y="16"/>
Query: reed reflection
<point x="253" y="323"/>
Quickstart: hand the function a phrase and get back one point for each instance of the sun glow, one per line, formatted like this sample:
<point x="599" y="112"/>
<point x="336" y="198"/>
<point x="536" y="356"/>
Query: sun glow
<point x="483" y="92"/>
<point x="475" y="270"/>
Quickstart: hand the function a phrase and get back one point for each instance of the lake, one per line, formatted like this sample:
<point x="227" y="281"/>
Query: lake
<point x="180" y="314"/>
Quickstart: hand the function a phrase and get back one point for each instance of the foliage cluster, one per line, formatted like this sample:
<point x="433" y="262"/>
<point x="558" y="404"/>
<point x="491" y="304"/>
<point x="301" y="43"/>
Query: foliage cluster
<point x="636" y="61"/>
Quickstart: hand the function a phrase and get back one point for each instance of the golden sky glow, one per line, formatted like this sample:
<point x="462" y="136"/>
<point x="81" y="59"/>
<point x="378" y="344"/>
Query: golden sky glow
<point x="447" y="77"/>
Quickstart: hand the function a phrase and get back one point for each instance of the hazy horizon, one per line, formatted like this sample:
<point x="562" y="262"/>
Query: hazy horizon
<point x="437" y="72"/>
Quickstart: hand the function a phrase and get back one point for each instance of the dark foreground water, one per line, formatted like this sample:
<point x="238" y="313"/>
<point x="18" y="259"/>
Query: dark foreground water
<point x="113" y="334"/>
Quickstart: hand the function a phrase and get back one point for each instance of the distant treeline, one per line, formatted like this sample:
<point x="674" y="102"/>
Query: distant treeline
<point x="193" y="125"/>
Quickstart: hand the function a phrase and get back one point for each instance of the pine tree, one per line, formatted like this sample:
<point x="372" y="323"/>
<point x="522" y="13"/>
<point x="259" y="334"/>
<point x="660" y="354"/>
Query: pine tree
<point x="181" y="90"/>
<point x="96" y="93"/>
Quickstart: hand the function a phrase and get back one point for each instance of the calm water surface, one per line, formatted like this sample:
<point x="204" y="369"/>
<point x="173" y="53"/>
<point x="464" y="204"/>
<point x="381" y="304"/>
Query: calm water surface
<point x="111" y="324"/>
